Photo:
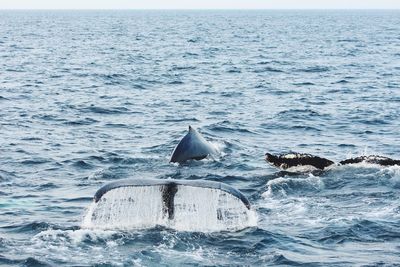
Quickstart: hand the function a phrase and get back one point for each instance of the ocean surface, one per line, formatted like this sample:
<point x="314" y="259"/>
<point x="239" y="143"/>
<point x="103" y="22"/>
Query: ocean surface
<point x="90" y="97"/>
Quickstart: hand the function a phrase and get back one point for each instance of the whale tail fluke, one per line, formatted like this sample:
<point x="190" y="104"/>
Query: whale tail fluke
<point x="188" y="205"/>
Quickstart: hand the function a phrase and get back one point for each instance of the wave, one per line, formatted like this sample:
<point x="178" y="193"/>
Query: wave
<point x="227" y="126"/>
<point x="268" y="69"/>
<point x="117" y="125"/>
<point x="35" y="161"/>
<point x="314" y="69"/>
<point x="35" y="226"/>
<point x="105" y="111"/>
<point x="81" y="164"/>
<point x="284" y="186"/>
<point x="173" y="119"/>
<point x="343" y="81"/>
<point x="85" y="121"/>
<point x="48" y="117"/>
<point x="300" y="114"/>
<point x="305" y="128"/>
<point x="234" y="70"/>
<point x="30" y="261"/>
<point x="75" y="236"/>
<point x="182" y="68"/>
<point x="46" y="186"/>
<point x="304" y="84"/>
<point x="393" y="172"/>
<point x="361" y="231"/>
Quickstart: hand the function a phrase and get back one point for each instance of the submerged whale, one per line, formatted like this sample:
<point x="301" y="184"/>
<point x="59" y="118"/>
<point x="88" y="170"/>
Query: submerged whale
<point x="192" y="146"/>
<point x="289" y="160"/>
<point x="192" y="205"/>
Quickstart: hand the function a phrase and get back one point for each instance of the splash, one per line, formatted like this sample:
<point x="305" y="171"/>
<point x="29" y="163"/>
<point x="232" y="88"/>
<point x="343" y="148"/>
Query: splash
<point x="394" y="173"/>
<point x="195" y="209"/>
<point x="283" y="186"/>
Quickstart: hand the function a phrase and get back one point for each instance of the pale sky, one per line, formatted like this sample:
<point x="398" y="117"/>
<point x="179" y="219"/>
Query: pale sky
<point x="200" y="4"/>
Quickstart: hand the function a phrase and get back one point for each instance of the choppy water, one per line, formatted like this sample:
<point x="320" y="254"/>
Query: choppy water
<point x="91" y="97"/>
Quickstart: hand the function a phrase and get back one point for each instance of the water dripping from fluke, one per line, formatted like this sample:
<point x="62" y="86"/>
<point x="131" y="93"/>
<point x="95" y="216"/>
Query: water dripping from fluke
<point x="183" y="205"/>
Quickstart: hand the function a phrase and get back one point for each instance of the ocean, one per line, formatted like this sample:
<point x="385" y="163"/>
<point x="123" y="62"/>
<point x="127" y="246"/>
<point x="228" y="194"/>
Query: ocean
<point x="91" y="97"/>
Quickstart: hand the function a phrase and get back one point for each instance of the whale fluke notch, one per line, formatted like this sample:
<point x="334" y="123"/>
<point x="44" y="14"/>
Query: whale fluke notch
<point x="372" y="159"/>
<point x="192" y="146"/>
<point x="168" y="194"/>
<point x="286" y="161"/>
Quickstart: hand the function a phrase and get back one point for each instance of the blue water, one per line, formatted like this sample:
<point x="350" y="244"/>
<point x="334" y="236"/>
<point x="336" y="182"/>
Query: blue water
<point x="90" y="97"/>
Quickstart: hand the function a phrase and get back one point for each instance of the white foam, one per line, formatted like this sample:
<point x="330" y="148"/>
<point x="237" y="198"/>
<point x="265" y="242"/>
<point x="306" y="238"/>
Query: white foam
<point x="195" y="209"/>
<point x="127" y="207"/>
<point x="209" y="210"/>
<point x="394" y="174"/>
<point x="302" y="168"/>
<point x="280" y="185"/>
<point x="72" y="236"/>
<point x="294" y="156"/>
<point x="218" y="146"/>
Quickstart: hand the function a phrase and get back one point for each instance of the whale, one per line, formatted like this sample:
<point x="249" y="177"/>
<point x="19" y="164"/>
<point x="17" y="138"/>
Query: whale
<point x="371" y="159"/>
<point x="193" y="146"/>
<point x="289" y="160"/>
<point x="188" y="205"/>
<point x="169" y="189"/>
<point x="294" y="159"/>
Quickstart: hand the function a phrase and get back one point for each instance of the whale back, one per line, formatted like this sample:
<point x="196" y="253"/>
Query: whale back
<point x="286" y="161"/>
<point x="192" y="146"/>
<point x="371" y="159"/>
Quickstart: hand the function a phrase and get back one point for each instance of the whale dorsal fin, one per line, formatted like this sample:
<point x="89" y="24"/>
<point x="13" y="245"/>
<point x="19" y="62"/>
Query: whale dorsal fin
<point x="192" y="146"/>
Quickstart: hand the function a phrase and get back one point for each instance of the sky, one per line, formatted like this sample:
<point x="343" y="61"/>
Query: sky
<point x="199" y="4"/>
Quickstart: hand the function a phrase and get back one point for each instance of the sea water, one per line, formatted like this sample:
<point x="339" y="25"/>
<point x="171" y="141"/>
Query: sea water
<point x="91" y="97"/>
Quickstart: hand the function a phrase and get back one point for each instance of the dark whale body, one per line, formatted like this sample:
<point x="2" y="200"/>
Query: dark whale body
<point x="286" y="161"/>
<point x="169" y="188"/>
<point x="372" y="159"/>
<point x="192" y="146"/>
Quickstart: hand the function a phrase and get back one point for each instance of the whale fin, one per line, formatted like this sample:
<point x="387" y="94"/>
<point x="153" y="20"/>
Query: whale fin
<point x="192" y="146"/>
<point x="372" y="159"/>
<point x="289" y="160"/>
<point x="180" y="204"/>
